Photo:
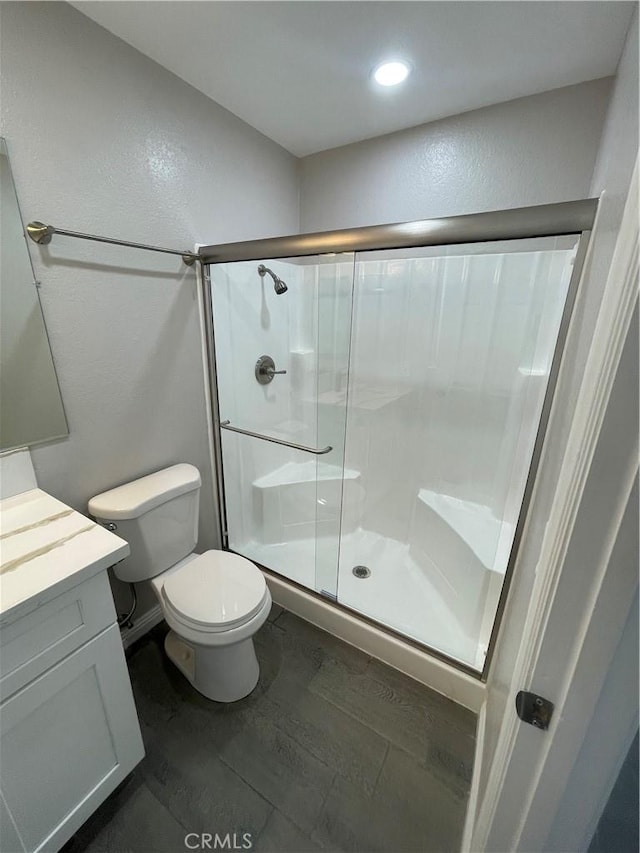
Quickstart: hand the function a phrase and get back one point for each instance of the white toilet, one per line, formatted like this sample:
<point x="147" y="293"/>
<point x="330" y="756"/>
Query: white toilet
<point x="213" y="602"/>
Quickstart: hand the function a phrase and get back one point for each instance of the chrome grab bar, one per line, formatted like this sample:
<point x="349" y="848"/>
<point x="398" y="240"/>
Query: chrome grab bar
<point x="315" y="450"/>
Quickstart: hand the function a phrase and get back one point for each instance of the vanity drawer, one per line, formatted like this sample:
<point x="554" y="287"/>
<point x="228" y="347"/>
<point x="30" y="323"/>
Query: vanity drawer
<point x="40" y="638"/>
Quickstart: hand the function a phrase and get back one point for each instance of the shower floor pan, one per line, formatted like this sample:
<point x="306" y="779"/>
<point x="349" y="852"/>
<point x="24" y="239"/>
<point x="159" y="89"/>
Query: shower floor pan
<point x="399" y="594"/>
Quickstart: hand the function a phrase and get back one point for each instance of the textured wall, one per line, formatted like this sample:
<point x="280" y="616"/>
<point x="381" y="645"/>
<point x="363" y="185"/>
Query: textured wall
<point x="533" y="150"/>
<point x="104" y="140"/>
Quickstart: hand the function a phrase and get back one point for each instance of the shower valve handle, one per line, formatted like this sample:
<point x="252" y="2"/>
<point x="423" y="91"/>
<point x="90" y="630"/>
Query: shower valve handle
<point x="265" y="370"/>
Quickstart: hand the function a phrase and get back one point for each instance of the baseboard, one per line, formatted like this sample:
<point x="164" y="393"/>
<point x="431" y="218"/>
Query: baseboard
<point x="434" y="673"/>
<point x="141" y="625"/>
<point x="472" y="803"/>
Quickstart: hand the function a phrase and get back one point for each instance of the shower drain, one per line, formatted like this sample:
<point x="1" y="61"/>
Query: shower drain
<point x="361" y="571"/>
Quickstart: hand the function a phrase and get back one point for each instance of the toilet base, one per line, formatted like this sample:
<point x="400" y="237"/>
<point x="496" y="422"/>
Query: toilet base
<point x="222" y="673"/>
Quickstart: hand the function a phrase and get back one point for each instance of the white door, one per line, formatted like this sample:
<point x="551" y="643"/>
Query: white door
<point x="577" y="642"/>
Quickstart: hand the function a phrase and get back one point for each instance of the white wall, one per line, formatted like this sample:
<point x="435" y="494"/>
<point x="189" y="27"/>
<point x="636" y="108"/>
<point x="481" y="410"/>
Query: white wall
<point x="532" y="150"/>
<point x="616" y="158"/>
<point x="103" y="140"/>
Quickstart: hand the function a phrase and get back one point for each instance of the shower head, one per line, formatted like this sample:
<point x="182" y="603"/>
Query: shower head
<point x="278" y="284"/>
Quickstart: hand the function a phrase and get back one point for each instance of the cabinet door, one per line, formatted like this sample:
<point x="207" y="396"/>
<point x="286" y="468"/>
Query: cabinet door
<point x="66" y="741"/>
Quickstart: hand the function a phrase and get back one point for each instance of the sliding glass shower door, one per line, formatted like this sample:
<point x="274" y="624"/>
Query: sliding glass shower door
<point x="379" y="416"/>
<point x="450" y="359"/>
<point x="281" y="331"/>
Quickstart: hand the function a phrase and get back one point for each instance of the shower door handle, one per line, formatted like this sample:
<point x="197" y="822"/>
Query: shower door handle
<point x="317" y="451"/>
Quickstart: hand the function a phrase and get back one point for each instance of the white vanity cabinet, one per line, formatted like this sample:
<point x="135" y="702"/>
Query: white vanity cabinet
<point x="69" y="731"/>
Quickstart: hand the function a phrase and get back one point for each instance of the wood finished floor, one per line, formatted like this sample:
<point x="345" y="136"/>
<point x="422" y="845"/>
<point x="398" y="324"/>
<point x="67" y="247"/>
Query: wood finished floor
<point x="332" y="751"/>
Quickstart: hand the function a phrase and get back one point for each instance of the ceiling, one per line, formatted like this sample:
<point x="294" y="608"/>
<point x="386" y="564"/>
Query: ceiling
<point x="300" y="72"/>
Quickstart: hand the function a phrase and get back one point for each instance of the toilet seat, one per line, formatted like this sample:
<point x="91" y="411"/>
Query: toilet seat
<point x="217" y="591"/>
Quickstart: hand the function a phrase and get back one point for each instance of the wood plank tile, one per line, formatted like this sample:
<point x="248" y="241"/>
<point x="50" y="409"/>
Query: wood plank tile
<point x="280" y="835"/>
<point x="281" y="770"/>
<point x="332" y="736"/>
<point x="139" y="825"/>
<point x="410" y="812"/>
<point x="440" y="706"/>
<point x="451" y="730"/>
<point x="201" y="791"/>
<point x="406" y="714"/>
<point x="318" y="645"/>
<point x="275" y="611"/>
<point x="393" y="714"/>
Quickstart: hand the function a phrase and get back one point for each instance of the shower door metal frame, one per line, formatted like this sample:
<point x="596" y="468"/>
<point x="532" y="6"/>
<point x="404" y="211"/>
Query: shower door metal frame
<point x="549" y="220"/>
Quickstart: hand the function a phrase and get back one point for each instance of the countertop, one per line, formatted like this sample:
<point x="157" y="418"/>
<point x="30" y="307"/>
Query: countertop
<point x="45" y="547"/>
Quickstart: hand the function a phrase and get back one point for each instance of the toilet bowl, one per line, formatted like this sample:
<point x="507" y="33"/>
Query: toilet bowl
<point x="213" y="602"/>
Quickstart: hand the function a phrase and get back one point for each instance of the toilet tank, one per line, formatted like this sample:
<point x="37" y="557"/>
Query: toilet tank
<point x="157" y="515"/>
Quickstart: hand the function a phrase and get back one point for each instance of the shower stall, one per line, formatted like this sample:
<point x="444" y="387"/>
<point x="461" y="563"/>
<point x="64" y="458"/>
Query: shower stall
<point x="379" y="402"/>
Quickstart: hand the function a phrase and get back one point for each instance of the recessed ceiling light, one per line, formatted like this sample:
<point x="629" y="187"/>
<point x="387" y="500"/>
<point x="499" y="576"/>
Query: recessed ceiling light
<point x="391" y="73"/>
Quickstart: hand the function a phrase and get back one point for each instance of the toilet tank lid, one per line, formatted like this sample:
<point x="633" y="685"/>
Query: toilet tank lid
<point x="133" y="499"/>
